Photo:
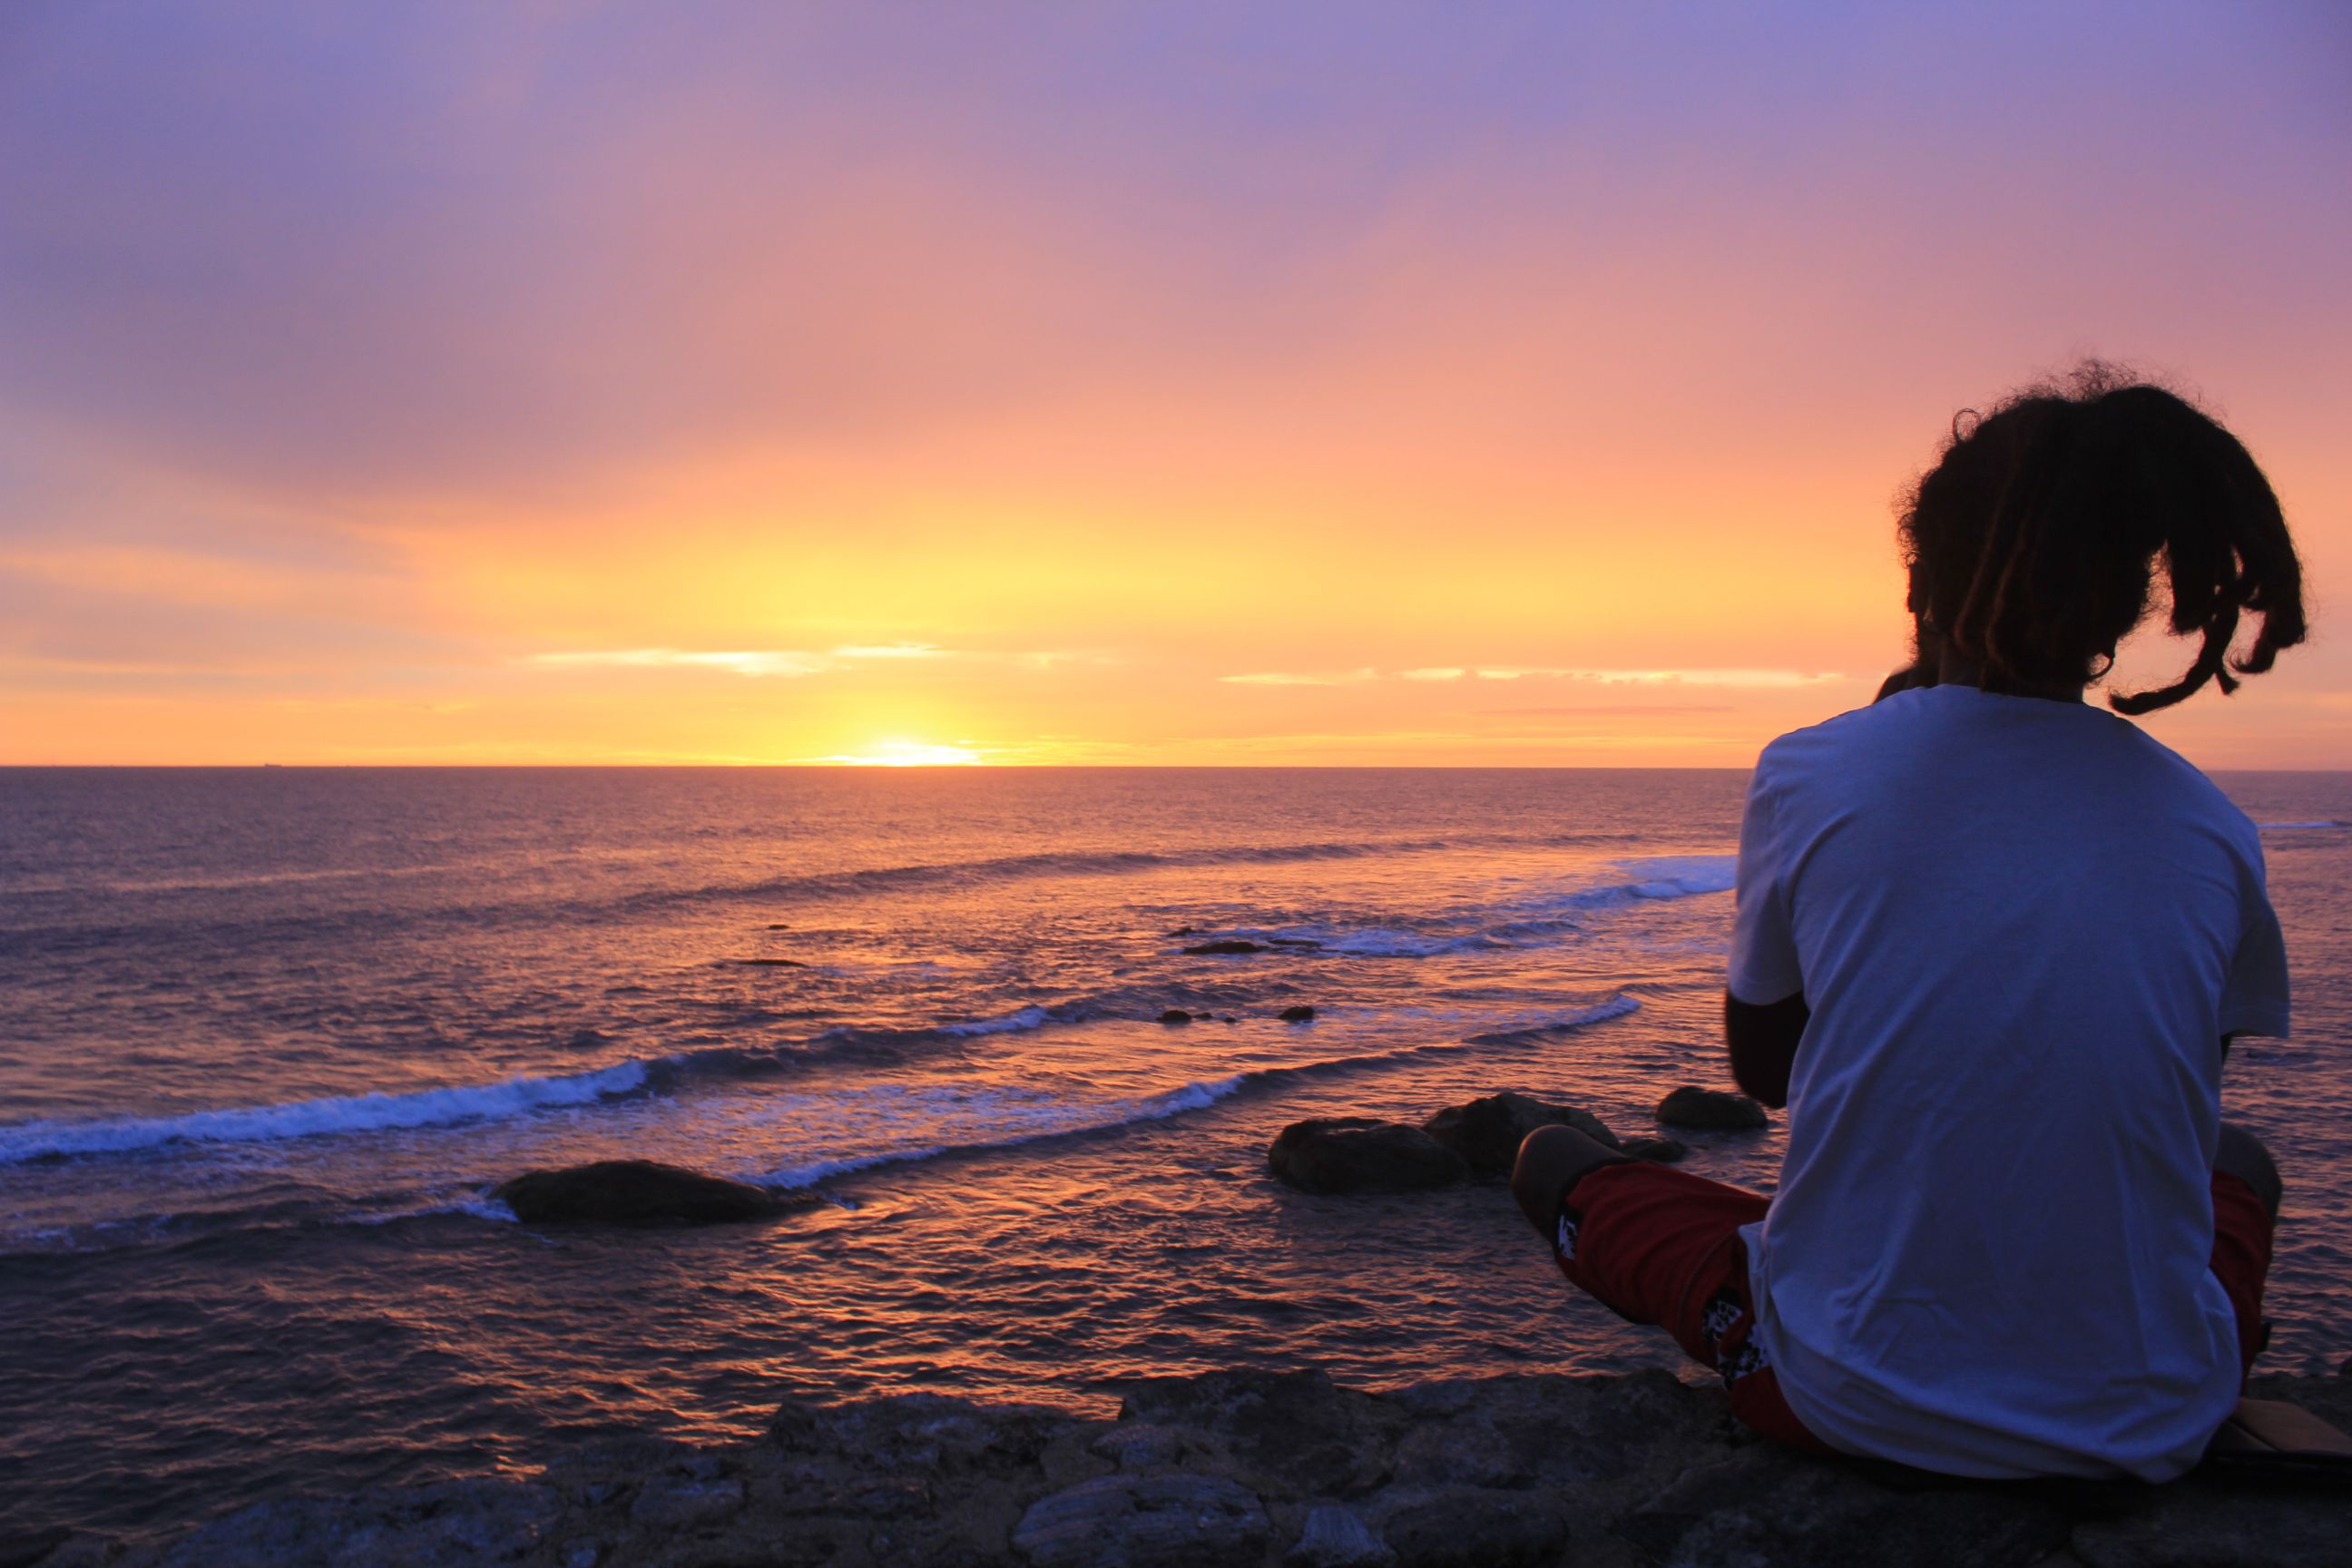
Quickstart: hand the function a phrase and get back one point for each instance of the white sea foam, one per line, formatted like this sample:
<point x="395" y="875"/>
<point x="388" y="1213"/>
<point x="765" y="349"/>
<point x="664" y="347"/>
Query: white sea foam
<point x="1379" y="942"/>
<point x="1030" y="1018"/>
<point x="1681" y="876"/>
<point x="1599" y="1012"/>
<point x="791" y="1176"/>
<point x="315" y="1118"/>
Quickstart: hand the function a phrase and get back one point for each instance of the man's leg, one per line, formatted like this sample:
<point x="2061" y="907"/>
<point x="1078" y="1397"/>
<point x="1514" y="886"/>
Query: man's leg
<point x="1658" y="1245"/>
<point x="2246" y="1191"/>
<point x="1551" y="1161"/>
<point x="2246" y="1157"/>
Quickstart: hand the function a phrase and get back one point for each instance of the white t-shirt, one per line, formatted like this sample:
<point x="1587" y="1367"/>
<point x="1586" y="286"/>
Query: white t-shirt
<point x="2022" y="928"/>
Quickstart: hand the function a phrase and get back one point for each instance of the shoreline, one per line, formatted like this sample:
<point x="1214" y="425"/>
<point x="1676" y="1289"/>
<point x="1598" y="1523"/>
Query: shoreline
<point x="1612" y="1470"/>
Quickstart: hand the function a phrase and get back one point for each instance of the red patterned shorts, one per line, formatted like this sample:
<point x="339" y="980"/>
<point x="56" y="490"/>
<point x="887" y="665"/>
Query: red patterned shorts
<point x="1661" y="1247"/>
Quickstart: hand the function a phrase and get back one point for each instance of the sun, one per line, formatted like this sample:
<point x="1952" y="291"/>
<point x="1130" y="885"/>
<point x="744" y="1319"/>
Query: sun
<point x="907" y="754"/>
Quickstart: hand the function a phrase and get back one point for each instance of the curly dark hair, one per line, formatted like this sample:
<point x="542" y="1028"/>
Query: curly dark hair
<point x="2033" y="543"/>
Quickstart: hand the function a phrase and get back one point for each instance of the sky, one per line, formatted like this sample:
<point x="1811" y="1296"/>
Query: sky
<point x="1200" y="383"/>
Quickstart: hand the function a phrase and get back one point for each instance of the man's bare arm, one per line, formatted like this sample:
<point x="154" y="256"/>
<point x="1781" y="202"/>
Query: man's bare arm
<point x="1763" y="1040"/>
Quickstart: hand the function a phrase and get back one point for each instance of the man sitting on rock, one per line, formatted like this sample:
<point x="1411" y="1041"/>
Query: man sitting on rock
<point x="1991" y="948"/>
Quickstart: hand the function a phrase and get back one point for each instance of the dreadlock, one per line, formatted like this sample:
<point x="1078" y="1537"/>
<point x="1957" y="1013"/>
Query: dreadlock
<point x="2033" y="543"/>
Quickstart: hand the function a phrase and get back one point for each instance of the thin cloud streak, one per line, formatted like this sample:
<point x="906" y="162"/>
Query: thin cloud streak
<point x="762" y="662"/>
<point x="789" y="663"/>
<point x="1742" y="679"/>
<point x="1278" y="677"/>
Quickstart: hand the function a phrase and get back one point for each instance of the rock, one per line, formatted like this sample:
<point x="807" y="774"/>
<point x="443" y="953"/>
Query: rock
<point x="1185" y="931"/>
<point x="1691" y="1106"/>
<point x="1473" y="1527"/>
<point x="1553" y="1430"/>
<point x="1302" y="1013"/>
<point x="413" y="1526"/>
<point x="2200" y="1526"/>
<point x="1336" y="1538"/>
<point x="681" y="1502"/>
<point x="1288" y="1431"/>
<point x="1175" y="1016"/>
<point x="1662" y="1150"/>
<point x="1173" y="1519"/>
<point x="23" y="1550"/>
<point x="1361" y="1154"/>
<point x="1487" y="1133"/>
<point x="779" y="925"/>
<point x="930" y="1434"/>
<point x="639" y="1191"/>
<point x="1634" y="1471"/>
<point x="1762" y="1504"/>
<point x="772" y="962"/>
<point x="1223" y="946"/>
<point x="1146" y="1446"/>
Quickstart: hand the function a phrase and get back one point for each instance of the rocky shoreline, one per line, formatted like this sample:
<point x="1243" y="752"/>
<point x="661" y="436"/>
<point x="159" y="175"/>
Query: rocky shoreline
<point x="1264" y="1467"/>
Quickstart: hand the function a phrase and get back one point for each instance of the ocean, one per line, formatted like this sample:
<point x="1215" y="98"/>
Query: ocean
<point x="269" y="1037"/>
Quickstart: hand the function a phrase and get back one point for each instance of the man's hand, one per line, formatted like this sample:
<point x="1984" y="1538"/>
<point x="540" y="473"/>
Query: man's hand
<point x="1763" y="1041"/>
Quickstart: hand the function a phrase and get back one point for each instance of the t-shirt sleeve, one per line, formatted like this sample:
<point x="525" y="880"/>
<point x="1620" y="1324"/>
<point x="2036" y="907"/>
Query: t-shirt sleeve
<point x="2254" y="996"/>
<point x="1763" y="946"/>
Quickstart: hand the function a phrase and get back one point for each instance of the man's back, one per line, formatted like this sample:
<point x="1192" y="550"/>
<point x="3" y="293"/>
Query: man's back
<point x="2022" y="928"/>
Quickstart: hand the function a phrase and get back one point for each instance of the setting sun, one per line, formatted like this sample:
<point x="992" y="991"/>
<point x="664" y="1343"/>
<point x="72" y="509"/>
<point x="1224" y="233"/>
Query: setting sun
<point x="907" y="754"/>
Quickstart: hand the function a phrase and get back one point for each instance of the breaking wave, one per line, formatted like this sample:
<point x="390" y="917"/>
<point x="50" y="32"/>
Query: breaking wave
<point x="49" y="1139"/>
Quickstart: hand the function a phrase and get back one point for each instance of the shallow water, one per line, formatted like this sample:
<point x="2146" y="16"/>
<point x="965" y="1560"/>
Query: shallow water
<point x="266" y="1036"/>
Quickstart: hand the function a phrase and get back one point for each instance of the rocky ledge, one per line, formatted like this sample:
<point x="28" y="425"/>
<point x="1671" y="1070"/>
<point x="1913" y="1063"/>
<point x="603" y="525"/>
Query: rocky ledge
<point x="1256" y="1468"/>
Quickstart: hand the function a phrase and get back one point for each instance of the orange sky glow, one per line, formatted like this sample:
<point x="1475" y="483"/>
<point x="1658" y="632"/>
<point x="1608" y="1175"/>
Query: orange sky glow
<point x="610" y="383"/>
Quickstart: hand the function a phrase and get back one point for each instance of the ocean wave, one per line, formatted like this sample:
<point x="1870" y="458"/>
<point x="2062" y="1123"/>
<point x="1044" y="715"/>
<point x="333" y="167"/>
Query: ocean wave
<point x="1047" y="1118"/>
<point x="1016" y="1022"/>
<point x="1118" y="862"/>
<point x="1378" y="942"/>
<point x="1047" y="863"/>
<point x="48" y="935"/>
<point x="1540" y="1028"/>
<point x="1529" y="919"/>
<point x="1013" y="1117"/>
<point x="51" y="1140"/>
<point x="2290" y="826"/>
<point x="1681" y="876"/>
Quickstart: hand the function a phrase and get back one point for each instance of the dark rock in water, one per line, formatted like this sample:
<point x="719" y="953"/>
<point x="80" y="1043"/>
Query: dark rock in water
<point x="639" y="1191"/>
<point x="1175" y="1016"/>
<point x="1361" y="1154"/>
<point x="1229" y="1018"/>
<point x="1691" y="1106"/>
<point x="1185" y="931"/>
<point x="1662" y="1150"/>
<point x="779" y="926"/>
<point x="1223" y="946"/>
<point x="1302" y="1013"/>
<point x="772" y="962"/>
<point x="1487" y="1133"/>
